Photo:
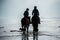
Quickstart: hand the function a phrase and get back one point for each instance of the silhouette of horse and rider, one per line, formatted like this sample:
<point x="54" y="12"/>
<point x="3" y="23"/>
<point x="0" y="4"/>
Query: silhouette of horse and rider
<point x="25" y="21"/>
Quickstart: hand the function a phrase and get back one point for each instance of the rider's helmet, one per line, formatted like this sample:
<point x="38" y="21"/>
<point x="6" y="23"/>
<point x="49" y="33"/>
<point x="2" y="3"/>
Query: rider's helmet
<point x="27" y="9"/>
<point x="35" y="7"/>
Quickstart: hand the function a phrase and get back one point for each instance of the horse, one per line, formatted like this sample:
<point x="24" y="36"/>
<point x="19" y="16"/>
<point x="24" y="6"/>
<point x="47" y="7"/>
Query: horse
<point x="35" y="22"/>
<point x="25" y="23"/>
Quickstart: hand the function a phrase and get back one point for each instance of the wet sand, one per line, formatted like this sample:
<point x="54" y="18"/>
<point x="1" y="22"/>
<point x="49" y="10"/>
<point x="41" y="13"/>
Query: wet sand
<point x="48" y="30"/>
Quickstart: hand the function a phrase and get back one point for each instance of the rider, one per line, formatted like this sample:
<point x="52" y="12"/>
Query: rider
<point x="35" y="14"/>
<point x="26" y="13"/>
<point x="26" y="19"/>
<point x="35" y="11"/>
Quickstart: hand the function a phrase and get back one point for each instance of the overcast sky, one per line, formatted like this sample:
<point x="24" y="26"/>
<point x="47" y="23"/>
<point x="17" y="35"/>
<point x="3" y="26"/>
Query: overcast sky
<point x="11" y="11"/>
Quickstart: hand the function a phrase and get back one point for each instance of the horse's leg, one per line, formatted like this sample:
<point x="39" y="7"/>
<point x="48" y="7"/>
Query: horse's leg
<point x="24" y="29"/>
<point x="22" y="25"/>
<point x="36" y="27"/>
<point x="27" y="28"/>
<point x="33" y="27"/>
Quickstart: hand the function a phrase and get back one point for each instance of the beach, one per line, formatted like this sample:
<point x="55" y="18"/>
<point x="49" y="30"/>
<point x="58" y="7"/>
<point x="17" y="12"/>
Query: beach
<point x="49" y="29"/>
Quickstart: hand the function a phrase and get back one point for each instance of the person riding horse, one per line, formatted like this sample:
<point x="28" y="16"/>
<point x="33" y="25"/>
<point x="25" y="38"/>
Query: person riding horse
<point x="25" y="20"/>
<point x="35" y="11"/>
<point x="35" y="18"/>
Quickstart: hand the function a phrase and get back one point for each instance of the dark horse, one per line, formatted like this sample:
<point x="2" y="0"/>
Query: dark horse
<point x="25" y="23"/>
<point x="35" y="22"/>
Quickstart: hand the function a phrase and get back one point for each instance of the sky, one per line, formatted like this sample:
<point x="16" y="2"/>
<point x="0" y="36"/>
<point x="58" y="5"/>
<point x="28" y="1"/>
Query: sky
<point x="11" y="11"/>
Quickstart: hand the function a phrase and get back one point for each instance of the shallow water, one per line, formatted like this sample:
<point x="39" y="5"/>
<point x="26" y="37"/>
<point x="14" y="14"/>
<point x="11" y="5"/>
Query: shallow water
<point x="48" y="30"/>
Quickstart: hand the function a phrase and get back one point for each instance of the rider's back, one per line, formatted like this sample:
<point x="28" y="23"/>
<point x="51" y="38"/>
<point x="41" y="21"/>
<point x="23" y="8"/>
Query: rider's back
<point x="35" y="11"/>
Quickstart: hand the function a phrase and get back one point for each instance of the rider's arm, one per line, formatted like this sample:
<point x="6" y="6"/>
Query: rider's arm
<point x="38" y="12"/>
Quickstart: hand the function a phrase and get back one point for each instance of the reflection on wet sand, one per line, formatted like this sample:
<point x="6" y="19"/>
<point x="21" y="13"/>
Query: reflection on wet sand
<point x="35" y="36"/>
<point x="26" y="36"/>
